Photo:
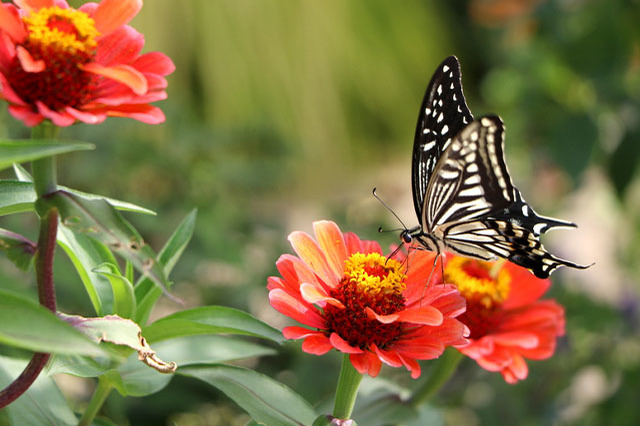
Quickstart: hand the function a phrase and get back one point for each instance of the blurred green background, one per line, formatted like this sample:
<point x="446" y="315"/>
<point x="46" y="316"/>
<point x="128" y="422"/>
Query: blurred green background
<point x="285" y="112"/>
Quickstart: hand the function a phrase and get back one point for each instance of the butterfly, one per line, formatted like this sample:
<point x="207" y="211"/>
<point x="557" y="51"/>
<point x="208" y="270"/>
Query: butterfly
<point x="463" y="195"/>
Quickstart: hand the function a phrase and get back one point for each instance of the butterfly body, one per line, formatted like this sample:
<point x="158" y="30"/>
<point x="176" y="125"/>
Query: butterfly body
<point x="462" y="190"/>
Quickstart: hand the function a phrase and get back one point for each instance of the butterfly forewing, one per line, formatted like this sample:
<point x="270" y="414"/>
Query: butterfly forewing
<point x="443" y="114"/>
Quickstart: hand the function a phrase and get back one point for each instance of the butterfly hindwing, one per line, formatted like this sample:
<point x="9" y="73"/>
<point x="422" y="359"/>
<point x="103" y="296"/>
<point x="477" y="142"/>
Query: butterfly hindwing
<point x="443" y="114"/>
<point x="474" y="208"/>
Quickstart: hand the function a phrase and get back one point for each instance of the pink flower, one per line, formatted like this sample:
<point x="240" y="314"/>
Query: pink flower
<point x="355" y="300"/>
<point x="68" y="65"/>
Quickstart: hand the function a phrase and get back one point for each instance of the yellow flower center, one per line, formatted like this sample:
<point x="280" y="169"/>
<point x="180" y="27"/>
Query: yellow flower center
<point x="369" y="281"/>
<point x="374" y="275"/>
<point x="64" y="29"/>
<point x="477" y="282"/>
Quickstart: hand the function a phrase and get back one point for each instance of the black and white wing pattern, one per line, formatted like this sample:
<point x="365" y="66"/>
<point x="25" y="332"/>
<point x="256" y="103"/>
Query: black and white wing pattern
<point x="443" y="114"/>
<point x="472" y="208"/>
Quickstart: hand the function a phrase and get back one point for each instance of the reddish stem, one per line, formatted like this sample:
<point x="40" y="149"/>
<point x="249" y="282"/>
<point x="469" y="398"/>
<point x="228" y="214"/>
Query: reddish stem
<point x="47" y="296"/>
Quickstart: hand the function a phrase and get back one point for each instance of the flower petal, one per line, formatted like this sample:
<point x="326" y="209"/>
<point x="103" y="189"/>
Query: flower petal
<point x="312" y="294"/>
<point x="31" y="5"/>
<point x="389" y="358"/>
<point x="427" y="315"/>
<point x="124" y="74"/>
<point x="311" y="254"/>
<point x="86" y="117"/>
<point x="112" y="14"/>
<point x="366" y="363"/>
<point x="27" y="62"/>
<point x="526" y="287"/>
<point x="340" y="344"/>
<point x="144" y="113"/>
<point x="120" y="47"/>
<point x="295" y="332"/>
<point x="384" y="319"/>
<point x="296" y="309"/>
<point x="26" y="115"/>
<point x="317" y="344"/>
<point x="11" y="23"/>
<point x="154" y="62"/>
<point x="295" y="271"/>
<point x="61" y="119"/>
<point x="521" y="339"/>
<point x="332" y="243"/>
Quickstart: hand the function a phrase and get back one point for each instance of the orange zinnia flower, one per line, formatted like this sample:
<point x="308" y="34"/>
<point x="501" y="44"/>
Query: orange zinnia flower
<point x="507" y="321"/>
<point x="359" y="302"/>
<point x="66" y="64"/>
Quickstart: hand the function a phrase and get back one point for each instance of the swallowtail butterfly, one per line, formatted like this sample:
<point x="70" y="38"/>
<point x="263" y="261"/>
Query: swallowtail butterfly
<point x="462" y="192"/>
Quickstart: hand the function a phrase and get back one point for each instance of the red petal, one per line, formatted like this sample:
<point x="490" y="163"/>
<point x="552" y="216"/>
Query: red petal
<point x="389" y="358"/>
<point x="26" y="115"/>
<point x="154" y="62"/>
<point x="317" y="345"/>
<point x="311" y="254"/>
<point x="294" y="308"/>
<point x="27" y="62"/>
<point x="57" y="118"/>
<point x="312" y="294"/>
<point x="31" y="5"/>
<point x="295" y="271"/>
<point x="332" y="243"/>
<point x="112" y="14"/>
<point x="412" y="365"/>
<point x="525" y="287"/>
<point x="120" y="47"/>
<point x="340" y="344"/>
<point x="521" y="339"/>
<point x="7" y="92"/>
<point x="295" y="332"/>
<point x="366" y="363"/>
<point x="86" y="117"/>
<point x="384" y="319"/>
<point x="144" y="113"/>
<point x="124" y="74"/>
<point x="11" y="23"/>
<point x="426" y="315"/>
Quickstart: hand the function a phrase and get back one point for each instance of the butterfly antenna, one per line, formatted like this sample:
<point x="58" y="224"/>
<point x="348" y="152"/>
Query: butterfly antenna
<point x="389" y="208"/>
<point x="433" y="268"/>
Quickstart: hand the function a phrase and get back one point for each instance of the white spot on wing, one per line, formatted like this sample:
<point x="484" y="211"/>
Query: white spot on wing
<point x="444" y="130"/>
<point x="439" y="89"/>
<point x="445" y="68"/>
<point x="440" y="117"/>
<point x="429" y="146"/>
<point x="525" y="210"/>
<point x="538" y="227"/>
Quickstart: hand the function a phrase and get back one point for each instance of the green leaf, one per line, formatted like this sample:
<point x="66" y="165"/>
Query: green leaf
<point x="210" y="320"/>
<point x="20" y="151"/>
<point x="18" y="196"/>
<point x="137" y="380"/>
<point x="27" y="325"/>
<point x="99" y="220"/>
<point x="122" y="332"/>
<point x="146" y="293"/>
<point x="266" y="400"/>
<point x="86" y="254"/>
<point x="41" y="404"/>
<point x="124" y="299"/>
<point x="79" y="366"/>
<point x="21" y="173"/>
<point x="19" y="249"/>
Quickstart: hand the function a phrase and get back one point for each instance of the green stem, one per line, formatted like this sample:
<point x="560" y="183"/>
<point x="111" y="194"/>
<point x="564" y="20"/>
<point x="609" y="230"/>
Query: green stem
<point x="97" y="400"/>
<point x="45" y="179"/>
<point x="442" y="371"/>
<point x="347" y="390"/>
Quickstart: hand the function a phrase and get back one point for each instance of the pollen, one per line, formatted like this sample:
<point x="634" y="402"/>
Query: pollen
<point x="66" y="29"/>
<point x="477" y="282"/>
<point x="369" y="281"/>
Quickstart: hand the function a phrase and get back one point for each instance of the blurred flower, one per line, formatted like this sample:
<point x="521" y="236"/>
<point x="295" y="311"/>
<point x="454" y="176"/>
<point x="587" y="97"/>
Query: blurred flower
<point x="507" y="321"/>
<point x="359" y="302"/>
<point x="66" y="64"/>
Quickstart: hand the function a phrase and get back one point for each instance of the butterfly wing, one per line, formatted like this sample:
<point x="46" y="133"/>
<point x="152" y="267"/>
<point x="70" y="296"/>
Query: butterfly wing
<point x="474" y="208"/>
<point x="443" y="114"/>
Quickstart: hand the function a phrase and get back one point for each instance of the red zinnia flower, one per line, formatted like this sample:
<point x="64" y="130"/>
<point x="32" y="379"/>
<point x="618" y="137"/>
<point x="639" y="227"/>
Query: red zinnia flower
<point x="359" y="302"/>
<point x="507" y="321"/>
<point x="66" y="64"/>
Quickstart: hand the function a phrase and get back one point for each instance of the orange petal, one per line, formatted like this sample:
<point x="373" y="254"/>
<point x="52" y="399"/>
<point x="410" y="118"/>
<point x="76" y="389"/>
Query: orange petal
<point x="112" y="14"/>
<point x="312" y="255"/>
<point x="311" y="294"/>
<point x="316" y="344"/>
<point x="332" y="244"/>
<point x="11" y="23"/>
<point x="427" y="315"/>
<point x="384" y="319"/>
<point x="27" y="62"/>
<point x="340" y="344"/>
<point x="30" y="5"/>
<point x="124" y="74"/>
